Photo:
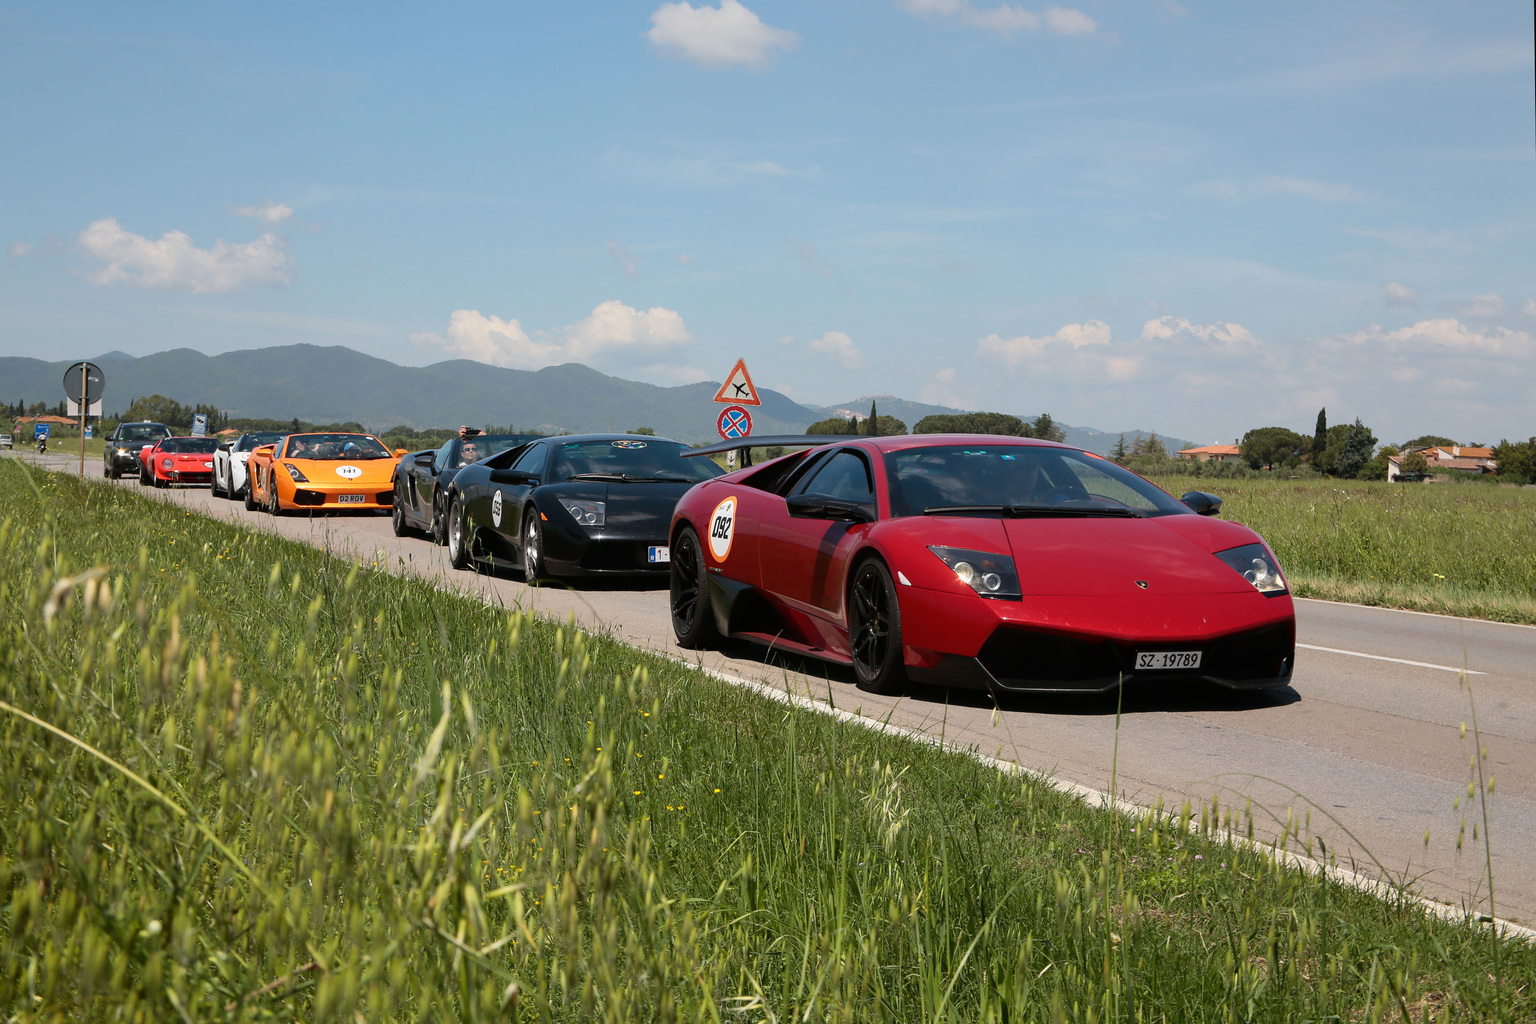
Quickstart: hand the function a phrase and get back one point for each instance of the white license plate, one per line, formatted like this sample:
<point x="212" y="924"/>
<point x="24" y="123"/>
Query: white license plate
<point x="658" y="554"/>
<point x="351" y="499"/>
<point x="1167" y="659"/>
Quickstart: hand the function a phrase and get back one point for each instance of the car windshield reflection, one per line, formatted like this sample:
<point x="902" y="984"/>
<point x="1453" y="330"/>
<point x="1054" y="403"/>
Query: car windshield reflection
<point x="334" y="447"/>
<point x="1019" y="481"/>
<point x="630" y="461"/>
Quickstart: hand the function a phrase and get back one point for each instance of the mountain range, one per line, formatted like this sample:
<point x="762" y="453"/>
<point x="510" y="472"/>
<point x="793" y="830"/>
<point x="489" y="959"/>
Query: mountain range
<point x="337" y="384"/>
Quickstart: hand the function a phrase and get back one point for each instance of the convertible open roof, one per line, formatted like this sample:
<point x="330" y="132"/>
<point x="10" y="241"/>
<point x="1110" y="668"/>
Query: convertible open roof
<point x="773" y="441"/>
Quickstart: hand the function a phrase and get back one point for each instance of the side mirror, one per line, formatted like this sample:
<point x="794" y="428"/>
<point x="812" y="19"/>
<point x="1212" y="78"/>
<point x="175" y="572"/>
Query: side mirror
<point x="399" y="453"/>
<point x="1203" y="503"/>
<point x="824" y="506"/>
<point x="511" y="476"/>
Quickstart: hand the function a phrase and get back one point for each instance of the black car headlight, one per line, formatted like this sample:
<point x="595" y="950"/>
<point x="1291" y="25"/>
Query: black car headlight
<point x="586" y="513"/>
<point x="990" y="575"/>
<point x="1254" y="563"/>
<point x="296" y="473"/>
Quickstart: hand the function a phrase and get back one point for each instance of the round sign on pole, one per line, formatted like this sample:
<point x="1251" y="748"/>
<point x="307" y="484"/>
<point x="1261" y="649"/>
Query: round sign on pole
<point x="734" y="423"/>
<point x="95" y="382"/>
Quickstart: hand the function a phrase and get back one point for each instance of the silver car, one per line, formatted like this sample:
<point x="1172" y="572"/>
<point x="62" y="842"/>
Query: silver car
<point x="229" y="476"/>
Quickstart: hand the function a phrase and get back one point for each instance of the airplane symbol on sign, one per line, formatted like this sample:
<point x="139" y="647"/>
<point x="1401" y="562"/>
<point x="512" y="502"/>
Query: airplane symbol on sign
<point x="738" y="387"/>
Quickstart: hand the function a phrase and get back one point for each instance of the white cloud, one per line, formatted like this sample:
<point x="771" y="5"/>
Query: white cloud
<point x="1005" y="19"/>
<point x="684" y="260"/>
<point x="173" y="263"/>
<point x="1219" y="337"/>
<point x="1445" y="336"/>
<point x="269" y="212"/>
<point x="1528" y="307"/>
<point x="19" y="250"/>
<point x="1014" y="351"/>
<point x="1483" y="306"/>
<point x="840" y="348"/>
<point x="627" y="262"/>
<point x="613" y="332"/>
<point x="717" y="37"/>
<point x="1399" y="294"/>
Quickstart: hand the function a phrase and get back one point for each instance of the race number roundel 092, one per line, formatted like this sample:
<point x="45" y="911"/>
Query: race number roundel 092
<point x="722" y="528"/>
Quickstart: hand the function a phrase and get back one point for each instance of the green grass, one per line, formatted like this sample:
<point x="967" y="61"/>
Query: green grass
<point x="244" y="780"/>
<point x="1458" y="549"/>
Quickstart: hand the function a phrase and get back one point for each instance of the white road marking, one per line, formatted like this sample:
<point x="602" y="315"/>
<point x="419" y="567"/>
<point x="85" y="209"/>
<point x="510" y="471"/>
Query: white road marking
<point x="1400" y="661"/>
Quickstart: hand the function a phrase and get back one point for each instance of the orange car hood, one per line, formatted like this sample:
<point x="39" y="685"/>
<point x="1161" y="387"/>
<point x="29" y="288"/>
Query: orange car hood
<point x="344" y="471"/>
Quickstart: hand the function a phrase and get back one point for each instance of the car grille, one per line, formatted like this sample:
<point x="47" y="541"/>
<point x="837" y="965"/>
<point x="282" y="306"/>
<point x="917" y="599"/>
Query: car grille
<point x="303" y="496"/>
<point x="1029" y="658"/>
<point x="618" y="556"/>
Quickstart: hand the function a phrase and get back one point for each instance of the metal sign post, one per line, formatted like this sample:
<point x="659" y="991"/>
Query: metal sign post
<point x="86" y="381"/>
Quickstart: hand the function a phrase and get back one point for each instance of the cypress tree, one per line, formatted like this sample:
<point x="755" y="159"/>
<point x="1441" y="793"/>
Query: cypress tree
<point x="874" y="420"/>
<point x="1320" y="436"/>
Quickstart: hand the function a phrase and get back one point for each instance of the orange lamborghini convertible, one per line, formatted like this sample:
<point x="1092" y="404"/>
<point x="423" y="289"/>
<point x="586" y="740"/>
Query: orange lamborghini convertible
<point x="321" y="472"/>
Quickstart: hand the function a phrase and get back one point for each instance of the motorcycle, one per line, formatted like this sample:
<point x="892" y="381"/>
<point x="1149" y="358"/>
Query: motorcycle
<point x="42" y="446"/>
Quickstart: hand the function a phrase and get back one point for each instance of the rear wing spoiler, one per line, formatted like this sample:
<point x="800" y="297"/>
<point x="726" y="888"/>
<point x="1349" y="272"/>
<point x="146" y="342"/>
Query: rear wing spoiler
<point x="773" y="441"/>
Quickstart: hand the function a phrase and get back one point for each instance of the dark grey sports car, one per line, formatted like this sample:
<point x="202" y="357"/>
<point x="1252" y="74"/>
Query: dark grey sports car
<point x="586" y="505"/>
<point x="422" y="479"/>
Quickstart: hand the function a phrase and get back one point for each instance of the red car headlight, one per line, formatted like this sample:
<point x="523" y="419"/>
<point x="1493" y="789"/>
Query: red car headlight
<point x="989" y="574"/>
<point x="166" y="464"/>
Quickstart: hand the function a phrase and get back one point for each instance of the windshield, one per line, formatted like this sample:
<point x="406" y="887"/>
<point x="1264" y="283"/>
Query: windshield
<point x="250" y="442"/>
<point x="335" y="447"/>
<point x="483" y="446"/>
<point x="190" y="445"/>
<point x="143" y="432"/>
<point x="1012" y="478"/>
<point x="629" y="460"/>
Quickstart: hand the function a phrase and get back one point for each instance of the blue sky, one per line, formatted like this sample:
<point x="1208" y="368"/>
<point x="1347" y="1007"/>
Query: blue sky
<point x="1192" y="217"/>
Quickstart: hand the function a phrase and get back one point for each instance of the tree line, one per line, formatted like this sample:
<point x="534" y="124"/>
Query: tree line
<point x="876" y="425"/>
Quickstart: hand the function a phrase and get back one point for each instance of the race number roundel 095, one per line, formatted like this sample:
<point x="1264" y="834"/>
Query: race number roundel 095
<point x="722" y="528"/>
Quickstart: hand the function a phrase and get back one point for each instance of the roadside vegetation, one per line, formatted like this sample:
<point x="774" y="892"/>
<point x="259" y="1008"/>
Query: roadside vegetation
<point x="1455" y="548"/>
<point x="245" y="780"/>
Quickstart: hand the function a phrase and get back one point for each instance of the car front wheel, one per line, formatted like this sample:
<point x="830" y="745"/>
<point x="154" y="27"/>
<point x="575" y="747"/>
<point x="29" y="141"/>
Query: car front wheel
<point x="533" y="547"/>
<point x="250" y="497"/>
<point x="874" y="630"/>
<point x="397" y="513"/>
<point x="693" y="622"/>
<point x="458" y="533"/>
<point x="274" y="506"/>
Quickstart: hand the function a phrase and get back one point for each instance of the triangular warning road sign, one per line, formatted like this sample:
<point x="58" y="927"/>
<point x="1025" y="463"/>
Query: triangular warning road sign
<point x="738" y="388"/>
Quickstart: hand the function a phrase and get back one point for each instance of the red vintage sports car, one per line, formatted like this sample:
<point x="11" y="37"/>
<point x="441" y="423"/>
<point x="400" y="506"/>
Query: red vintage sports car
<point x="178" y="460"/>
<point x="978" y="561"/>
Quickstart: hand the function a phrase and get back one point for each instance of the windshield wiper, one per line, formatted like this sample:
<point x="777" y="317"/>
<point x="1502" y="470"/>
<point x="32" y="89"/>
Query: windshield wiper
<point x="1033" y="511"/>
<point x="616" y="478"/>
<point x="659" y="480"/>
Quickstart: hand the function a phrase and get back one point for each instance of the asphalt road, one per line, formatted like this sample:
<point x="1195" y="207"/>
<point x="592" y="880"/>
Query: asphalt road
<point x="1365" y="745"/>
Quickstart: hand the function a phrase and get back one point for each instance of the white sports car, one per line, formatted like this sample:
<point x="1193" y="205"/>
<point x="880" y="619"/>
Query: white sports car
<point x="229" y="476"/>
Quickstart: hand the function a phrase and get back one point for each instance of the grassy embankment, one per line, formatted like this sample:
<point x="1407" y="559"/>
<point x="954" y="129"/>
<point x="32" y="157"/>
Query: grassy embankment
<point x="258" y="782"/>
<point x="1460" y="549"/>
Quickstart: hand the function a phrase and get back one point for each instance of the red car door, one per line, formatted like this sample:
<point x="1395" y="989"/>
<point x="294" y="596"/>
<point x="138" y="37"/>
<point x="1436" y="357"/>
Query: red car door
<point x="805" y="560"/>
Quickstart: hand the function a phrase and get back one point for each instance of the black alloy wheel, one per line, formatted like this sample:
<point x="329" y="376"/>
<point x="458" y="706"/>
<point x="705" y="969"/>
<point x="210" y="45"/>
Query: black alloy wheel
<point x="533" y="547"/>
<point x="143" y="476"/>
<point x="693" y="621"/>
<point x="274" y="506"/>
<point x="458" y="534"/>
<point x="214" y="490"/>
<point x="250" y="495"/>
<point x="397" y="513"/>
<point x="439" y="528"/>
<point x="874" y="630"/>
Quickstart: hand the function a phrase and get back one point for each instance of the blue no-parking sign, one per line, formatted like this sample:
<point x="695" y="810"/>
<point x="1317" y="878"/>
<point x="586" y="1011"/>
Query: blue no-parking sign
<point x="735" y="422"/>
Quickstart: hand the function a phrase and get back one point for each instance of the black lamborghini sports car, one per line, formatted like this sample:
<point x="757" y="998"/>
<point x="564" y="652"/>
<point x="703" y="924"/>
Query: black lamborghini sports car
<point x="584" y="505"/>
<point x="422" y="479"/>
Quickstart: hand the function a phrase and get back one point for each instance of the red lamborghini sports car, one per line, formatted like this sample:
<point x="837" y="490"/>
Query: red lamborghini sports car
<point x="978" y="561"/>
<point x="178" y="460"/>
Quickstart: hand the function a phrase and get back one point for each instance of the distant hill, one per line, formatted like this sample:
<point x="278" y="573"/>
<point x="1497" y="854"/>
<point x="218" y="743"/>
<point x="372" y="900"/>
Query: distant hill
<point x="1101" y="441"/>
<point x="336" y="384"/>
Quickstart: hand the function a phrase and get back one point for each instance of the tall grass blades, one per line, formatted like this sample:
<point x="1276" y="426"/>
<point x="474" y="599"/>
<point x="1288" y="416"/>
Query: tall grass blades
<point x="1456" y="549"/>
<point x="242" y="780"/>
